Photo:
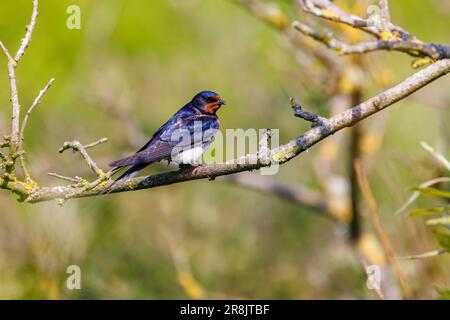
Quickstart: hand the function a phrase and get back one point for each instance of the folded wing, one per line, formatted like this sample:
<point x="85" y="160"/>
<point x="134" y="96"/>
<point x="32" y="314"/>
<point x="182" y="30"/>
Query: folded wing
<point x="157" y="151"/>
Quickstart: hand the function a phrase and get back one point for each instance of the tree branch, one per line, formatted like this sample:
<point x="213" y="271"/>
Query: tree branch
<point x="416" y="49"/>
<point x="389" y="36"/>
<point x="12" y="64"/>
<point x="327" y="10"/>
<point x="278" y="155"/>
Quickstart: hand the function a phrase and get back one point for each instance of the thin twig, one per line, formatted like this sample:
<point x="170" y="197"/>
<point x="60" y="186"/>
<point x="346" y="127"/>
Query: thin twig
<point x="59" y="176"/>
<point x="30" y="28"/>
<point x="24" y="124"/>
<point x="311" y="117"/>
<point x="384" y="238"/>
<point x="327" y="10"/>
<point x="385" y="15"/>
<point x="34" y="105"/>
<point x="102" y="178"/>
<point x="77" y="146"/>
<point x="6" y="52"/>
<point x="95" y="143"/>
<point x="12" y="64"/>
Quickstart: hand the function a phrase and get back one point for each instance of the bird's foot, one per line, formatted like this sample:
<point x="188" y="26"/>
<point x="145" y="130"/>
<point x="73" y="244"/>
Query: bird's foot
<point x="188" y="166"/>
<point x="185" y="166"/>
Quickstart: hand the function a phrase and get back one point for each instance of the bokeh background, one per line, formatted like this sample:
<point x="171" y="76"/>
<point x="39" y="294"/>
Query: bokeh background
<point x="128" y="69"/>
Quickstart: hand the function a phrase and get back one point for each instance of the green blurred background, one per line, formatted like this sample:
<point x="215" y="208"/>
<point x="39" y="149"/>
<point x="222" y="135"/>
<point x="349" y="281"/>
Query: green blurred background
<point x="201" y="239"/>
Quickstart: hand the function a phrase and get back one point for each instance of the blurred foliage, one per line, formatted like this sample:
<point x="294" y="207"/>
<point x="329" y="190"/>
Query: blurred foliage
<point x="201" y="238"/>
<point x="444" y="293"/>
<point x="440" y="220"/>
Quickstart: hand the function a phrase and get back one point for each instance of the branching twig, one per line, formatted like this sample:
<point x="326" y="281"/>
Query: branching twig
<point x="315" y="119"/>
<point x="12" y="64"/>
<point x="77" y="179"/>
<point x="77" y="146"/>
<point x="101" y="180"/>
<point x="6" y="52"/>
<point x="415" y="49"/>
<point x="327" y="10"/>
<point x="386" y="40"/>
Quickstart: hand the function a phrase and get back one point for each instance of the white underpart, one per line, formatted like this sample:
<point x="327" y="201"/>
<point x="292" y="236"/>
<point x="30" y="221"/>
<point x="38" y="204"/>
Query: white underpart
<point x="189" y="156"/>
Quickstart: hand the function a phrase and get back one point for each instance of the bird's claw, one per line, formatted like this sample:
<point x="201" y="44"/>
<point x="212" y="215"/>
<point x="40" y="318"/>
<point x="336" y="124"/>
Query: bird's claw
<point x="187" y="166"/>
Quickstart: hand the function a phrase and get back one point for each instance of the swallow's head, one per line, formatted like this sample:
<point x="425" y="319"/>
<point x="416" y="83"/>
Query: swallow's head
<point x="207" y="101"/>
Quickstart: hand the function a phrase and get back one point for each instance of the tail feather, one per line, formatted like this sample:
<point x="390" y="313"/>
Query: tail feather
<point x="131" y="172"/>
<point x="130" y="160"/>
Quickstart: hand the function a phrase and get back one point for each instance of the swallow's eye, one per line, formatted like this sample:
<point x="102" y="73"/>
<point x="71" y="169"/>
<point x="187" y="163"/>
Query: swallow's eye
<point x="212" y="99"/>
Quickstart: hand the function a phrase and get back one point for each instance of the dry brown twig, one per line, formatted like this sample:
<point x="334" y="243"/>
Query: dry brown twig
<point x="384" y="238"/>
<point x="279" y="155"/>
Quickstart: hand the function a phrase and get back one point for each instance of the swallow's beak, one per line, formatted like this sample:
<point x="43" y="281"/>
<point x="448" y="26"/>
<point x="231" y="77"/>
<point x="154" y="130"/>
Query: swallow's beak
<point x="220" y="102"/>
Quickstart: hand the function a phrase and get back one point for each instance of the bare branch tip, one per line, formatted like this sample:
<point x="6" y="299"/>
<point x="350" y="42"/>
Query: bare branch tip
<point x="95" y="143"/>
<point x="25" y="42"/>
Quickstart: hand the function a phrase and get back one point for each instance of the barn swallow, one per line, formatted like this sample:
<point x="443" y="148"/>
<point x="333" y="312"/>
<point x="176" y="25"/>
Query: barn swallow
<point x="182" y="139"/>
